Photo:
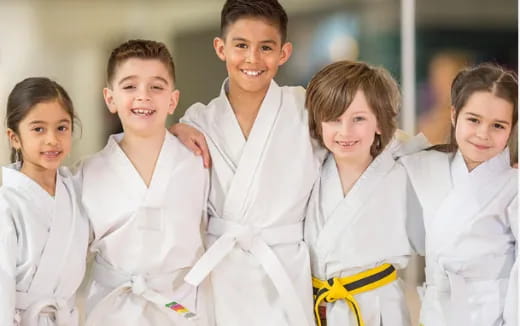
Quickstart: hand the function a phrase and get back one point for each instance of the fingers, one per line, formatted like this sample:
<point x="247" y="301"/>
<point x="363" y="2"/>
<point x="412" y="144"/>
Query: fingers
<point x="193" y="147"/>
<point x="173" y="129"/>
<point x="194" y="140"/>
<point x="203" y="148"/>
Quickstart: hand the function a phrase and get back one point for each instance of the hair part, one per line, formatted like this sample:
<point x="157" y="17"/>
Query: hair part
<point x="331" y="91"/>
<point x="141" y="49"/>
<point x="486" y="77"/>
<point x="270" y="10"/>
<point x="30" y="92"/>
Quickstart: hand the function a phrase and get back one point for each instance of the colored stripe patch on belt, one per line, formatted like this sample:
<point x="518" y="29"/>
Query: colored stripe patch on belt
<point x="180" y="309"/>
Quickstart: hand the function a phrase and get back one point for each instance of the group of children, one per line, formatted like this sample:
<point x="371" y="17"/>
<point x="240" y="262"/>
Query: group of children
<point x="311" y="204"/>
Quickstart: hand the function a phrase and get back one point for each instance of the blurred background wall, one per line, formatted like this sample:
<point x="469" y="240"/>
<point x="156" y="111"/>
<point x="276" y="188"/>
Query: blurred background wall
<point x="70" y="40"/>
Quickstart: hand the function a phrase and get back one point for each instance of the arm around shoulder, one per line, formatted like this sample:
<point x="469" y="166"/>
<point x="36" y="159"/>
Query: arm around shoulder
<point x="190" y="136"/>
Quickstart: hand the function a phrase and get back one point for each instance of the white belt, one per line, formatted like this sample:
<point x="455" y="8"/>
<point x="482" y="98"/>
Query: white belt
<point x="456" y="282"/>
<point x="29" y="310"/>
<point x="256" y="241"/>
<point x="123" y="282"/>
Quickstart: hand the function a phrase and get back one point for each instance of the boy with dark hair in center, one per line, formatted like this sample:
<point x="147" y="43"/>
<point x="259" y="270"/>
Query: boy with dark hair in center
<point x="263" y="169"/>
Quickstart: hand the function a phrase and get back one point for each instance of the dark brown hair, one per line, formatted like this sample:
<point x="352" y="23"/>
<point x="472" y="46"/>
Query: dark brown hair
<point x="333" y="88"/>
<point x="142" y="49"/>
<point x="30" y="92"/>
<point x="270" y="10"/>
<point x="485" y="77"/>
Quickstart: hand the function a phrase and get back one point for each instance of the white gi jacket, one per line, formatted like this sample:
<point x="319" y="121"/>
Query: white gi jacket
<point x="471" y="223"/>
<point x="145" y="238"/>
<point x="258" y="261"/>
<point x="364" y="229"/>
<point x="43" y="250"/>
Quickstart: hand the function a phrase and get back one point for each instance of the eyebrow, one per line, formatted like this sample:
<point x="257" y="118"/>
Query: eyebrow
<point x="240" y="39"/>
<point x="134" y="76"/>
<point x="361" y="111"/>
<point x="45" y="122"/>
<point x="479" y="116"/>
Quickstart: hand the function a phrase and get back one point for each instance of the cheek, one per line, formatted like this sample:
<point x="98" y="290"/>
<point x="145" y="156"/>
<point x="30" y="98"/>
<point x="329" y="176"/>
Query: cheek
<point x="503" y="139"/>
<point x="461" y="131"/>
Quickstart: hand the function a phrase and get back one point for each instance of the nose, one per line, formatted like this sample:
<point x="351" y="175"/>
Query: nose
<point x="51" y="138"/>
<point x="345" y="128"/>
<point x="482" y="131"/>
<point x="143" y="94"/>
<point x="252" y="55"/>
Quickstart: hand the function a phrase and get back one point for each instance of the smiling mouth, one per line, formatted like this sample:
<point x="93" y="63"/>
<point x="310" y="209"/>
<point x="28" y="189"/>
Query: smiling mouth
<point x="481" y="147"/>
<point x="252" y="73"/>
<point x="51" y="154"/>
<point x="143" y="112"/>
<point x="347" y="144"/>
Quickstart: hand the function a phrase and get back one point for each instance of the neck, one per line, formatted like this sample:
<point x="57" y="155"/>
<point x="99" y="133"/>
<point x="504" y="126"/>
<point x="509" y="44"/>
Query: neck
<point x="359" y="164"/>
<point x="350" y="170"/>
<point x="244" y="102"/>
<point x="135" y="146"/>
<point x="46" y="178"/>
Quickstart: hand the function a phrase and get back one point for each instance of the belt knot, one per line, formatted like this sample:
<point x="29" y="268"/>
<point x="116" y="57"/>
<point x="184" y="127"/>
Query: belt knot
<point x="336" y="291"/>
<point x="246" y="236"/>
<point x="138" y="284"/>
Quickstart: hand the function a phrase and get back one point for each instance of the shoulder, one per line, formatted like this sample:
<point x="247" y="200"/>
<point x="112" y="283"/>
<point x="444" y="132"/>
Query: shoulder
<point x="92" y="162"/>
<point x="422" y="157"/>
<point x="512" y="176"/>
<point x="203" y="115"/>
<point x="296" y="92"/>
<point x="295" y="95"/>
<point x="64" y="172"/>
<point x="8" y="204"/>
<point x="183" y="156"/>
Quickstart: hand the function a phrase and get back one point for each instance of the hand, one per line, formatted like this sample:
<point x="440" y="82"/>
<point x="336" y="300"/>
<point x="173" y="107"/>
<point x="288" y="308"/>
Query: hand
<point x="194" y="140"/>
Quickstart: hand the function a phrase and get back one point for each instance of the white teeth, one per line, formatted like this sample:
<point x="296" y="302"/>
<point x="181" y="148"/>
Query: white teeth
<point x="142" y="111"/>
<point x="252" y="72"/>
<point x="346" y="143"/>
<point x="51" y="153"/>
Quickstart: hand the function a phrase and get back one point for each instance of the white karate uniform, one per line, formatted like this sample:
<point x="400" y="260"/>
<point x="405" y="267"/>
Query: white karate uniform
<point x="471" y="223"/>
<point x="145" y="238"/>
<point x="364" y="229"/>
<point x="43" y="250"/>
<point x="258" y="261"/>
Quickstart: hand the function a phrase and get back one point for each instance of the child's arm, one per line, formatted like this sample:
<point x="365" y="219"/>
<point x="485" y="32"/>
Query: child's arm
<point x="193" y="139"/>
<point x="8" y="250"/>
<point x="511" y="305"/>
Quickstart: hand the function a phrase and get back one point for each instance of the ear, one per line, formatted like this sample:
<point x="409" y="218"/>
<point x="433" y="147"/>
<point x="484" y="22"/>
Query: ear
<point x="14" y="140"/>
<point x="453" y="116"/>
<point x="218" y="45"/>
<point x="109" y="100"/>
<point x="174" y="100"/>
<point x="286" y="53"/>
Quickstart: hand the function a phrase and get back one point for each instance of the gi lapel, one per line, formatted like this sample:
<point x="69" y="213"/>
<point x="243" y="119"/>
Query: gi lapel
<point x="61" y="234"/>
<point x="224" y="137"/>
<point x="150" y="214"/>
<point x="120" y="166"/>
<point x="236" y="202"/>
<point x="346" y="214"/>
<point x="462" y="205"/>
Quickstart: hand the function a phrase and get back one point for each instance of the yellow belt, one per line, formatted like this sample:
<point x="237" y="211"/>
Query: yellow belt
<point x="346" y="287"/>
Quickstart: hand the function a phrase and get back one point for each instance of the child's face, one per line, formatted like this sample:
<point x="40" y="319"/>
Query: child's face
<point x="350" y="136"/>
<point x="483" y="127"/>
<point x="142" y="94"/>
<point x="253" y="52"/>
<point x="44" y="136"/>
